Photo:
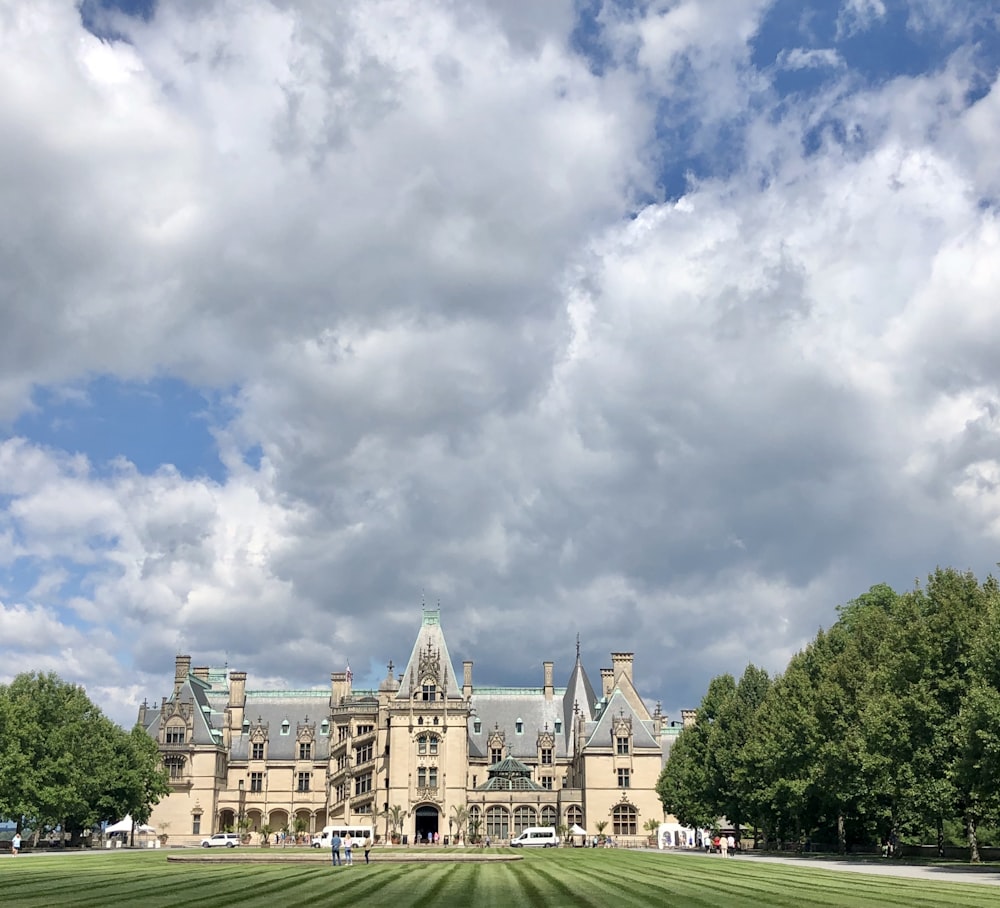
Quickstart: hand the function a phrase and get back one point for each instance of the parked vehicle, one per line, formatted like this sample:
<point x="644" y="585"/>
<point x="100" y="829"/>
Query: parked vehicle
<point x="357" y="835"/>
<point x="221" y="840"/>
<point x="536" y="837"/>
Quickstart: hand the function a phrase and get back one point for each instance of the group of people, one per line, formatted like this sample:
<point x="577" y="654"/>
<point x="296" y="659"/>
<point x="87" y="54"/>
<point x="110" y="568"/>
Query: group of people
<point x="336" y="843"/>
<point x="721" y="844"/>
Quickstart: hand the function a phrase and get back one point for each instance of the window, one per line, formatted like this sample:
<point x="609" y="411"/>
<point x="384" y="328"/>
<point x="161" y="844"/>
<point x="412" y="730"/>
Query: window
<point x="574" y="815"/>
<point x="497" y="823"/>
<point x="624" y="819"/>
<point x="549" y="816"/>
<point x="428" y="692"/>
<point x="196" y="824"/>
<point x="175" y="735"/>
<point x="324" y="728"/>
<point x="477" y="726"/>
<point x="341" y="791"/>
<point x="624" y="778"/>
<point x="523" y="818"/>
<point x="365" y="729"/>
<point x="257" y="751"/>
<point x="285" y="726"/>
<point x="363" y="784"/>
<point x="303" y="781"/>
<point x="558" y="726"/>
<point x="519" y="725"/>
<point x="427" y="777"/>
<point x="341" y="762"/>
<point x="246" y="726"/>
<point x="305" y="750"/>
<point x="341" y="732"/>
<point x="547" y="783"/>
<point x="496" y="754"/>
<point x="546" y="756"/>
<point x="621" y="743"/>
<point x="363" y="754"/>
<point x="256" y="781"/>
<point x="175" y="768"/>
<point x="427" y="744"/>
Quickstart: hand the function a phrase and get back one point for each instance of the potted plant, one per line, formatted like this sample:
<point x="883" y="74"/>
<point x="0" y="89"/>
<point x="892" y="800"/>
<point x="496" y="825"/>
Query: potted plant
<point x="652" y="827"/>
<point x="265" y="835"/>
<point x="396" y="816"/>
<point x="600" y="826"/>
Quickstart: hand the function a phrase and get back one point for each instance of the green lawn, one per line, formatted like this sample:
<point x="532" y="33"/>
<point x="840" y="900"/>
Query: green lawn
<point x="575" y="878"/>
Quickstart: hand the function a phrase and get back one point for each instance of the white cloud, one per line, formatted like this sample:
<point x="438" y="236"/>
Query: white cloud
<point x="810" y="58"/>
<point x="403" y="245"/>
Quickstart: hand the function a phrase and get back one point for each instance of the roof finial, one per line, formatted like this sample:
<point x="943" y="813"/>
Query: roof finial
<point x="577" y="646"/>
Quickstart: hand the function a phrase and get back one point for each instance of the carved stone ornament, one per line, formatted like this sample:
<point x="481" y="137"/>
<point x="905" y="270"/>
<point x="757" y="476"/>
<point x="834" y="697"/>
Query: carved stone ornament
<point x="546" y="739"/>
<point x="429" y="666"/>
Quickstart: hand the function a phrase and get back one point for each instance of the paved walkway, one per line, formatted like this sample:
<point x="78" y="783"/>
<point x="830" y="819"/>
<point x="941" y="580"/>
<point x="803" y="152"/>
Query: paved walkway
<point x="988" y="875"/>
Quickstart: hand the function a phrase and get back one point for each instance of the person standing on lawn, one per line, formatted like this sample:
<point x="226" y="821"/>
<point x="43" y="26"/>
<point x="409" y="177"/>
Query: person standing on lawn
<point x="335" y="849"/>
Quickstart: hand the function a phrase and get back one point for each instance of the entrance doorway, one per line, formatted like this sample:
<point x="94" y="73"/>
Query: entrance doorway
<point x="426" y="820"/>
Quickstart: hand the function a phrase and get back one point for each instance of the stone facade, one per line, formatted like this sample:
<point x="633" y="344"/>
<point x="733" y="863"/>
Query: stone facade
<point x="454" y="758"/>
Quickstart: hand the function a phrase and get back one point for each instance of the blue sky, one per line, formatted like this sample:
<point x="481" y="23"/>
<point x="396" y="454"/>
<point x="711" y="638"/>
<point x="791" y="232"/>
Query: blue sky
<point x="596" y="317"/>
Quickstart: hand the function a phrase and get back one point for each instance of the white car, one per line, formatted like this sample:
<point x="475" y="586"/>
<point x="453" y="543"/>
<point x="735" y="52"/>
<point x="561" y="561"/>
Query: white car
<point x="220" y="840"/>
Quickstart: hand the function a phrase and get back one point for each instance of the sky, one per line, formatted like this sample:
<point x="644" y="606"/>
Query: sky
<point x="667" y="326"/>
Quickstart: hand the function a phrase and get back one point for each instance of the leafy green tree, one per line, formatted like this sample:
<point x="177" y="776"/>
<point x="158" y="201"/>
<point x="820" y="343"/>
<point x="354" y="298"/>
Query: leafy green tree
<point x="63" y="762"/>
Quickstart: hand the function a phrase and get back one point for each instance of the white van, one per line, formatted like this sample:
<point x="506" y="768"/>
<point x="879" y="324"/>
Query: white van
<point x="536" y="837"/>
<point x="357" y="835"/>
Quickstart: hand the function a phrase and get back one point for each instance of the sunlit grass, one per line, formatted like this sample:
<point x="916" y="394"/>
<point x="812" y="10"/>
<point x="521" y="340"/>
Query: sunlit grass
<point x="575" y="878"/>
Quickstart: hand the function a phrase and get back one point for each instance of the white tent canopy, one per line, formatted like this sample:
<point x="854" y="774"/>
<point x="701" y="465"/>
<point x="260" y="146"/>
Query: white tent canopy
<point x="125" y="825"/>
<point x="576" y="830"/>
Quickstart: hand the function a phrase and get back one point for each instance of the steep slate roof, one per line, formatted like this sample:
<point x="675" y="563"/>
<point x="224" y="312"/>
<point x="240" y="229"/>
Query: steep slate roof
<point x="273" y="709"/>
<point x="600" y="734"/>
<point x="429" y="639"/>
<point x="502" y="707"/>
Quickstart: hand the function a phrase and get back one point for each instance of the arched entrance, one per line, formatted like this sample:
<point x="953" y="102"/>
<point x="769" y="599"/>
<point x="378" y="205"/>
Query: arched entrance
<point x="426" y="821"/>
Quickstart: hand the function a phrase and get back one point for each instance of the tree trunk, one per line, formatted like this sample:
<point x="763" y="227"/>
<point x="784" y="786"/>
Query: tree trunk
<point x="841" y="835"/>
<point x="940" y="836"/>
<point x="970" y="831"/>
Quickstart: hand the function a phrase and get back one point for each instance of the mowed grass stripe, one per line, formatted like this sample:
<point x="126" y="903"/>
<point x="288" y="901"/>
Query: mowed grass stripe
<point x="577" y="878"/>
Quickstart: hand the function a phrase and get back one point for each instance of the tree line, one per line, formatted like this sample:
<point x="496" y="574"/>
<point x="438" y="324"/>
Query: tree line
<point x="886" y="727"/>
<point x="64" y="764"/>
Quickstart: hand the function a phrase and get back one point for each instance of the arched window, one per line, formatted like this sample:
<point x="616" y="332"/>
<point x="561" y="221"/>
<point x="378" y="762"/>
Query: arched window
<point x="523" y="818"/>
<point x="285" y="726"/>
<point x="574" y="815"/>
<point x="624" y="820"/>
<point x="497" y="823"/>
<point x="549" y="816"/>
<point x="519" y="725"/>
<point x="246" y="726"/>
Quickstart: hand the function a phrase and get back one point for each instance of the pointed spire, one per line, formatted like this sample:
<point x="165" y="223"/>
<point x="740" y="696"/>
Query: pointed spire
<point x="577" y="646"/>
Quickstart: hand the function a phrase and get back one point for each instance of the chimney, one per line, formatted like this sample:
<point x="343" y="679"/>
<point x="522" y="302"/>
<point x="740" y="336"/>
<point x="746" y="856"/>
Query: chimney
<point x="182" y="668"/>
<point x="688" y="717"/>
<point x="339" y="688"/>
<point x="547" y="680"/>
<point x="201" y="672"/>
<point x="237" y="701"/>
<point x="621" y="664"/>
<point x="607" y="682"/>
<point x="142" y="713"/>
<point x="467" y="679"/>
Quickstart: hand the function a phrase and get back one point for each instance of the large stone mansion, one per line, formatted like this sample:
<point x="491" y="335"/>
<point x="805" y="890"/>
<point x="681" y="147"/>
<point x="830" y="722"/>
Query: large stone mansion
<point x="424" y="742"/>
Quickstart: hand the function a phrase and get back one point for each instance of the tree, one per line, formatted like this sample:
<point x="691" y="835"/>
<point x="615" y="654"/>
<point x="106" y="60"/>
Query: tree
<point x="137" y="780"/>
<point x="396" y="817"/>
<point x="58" y="754"/>
<point x="459" y="818"/>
